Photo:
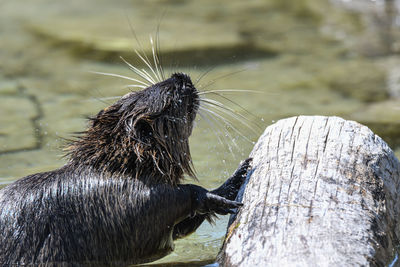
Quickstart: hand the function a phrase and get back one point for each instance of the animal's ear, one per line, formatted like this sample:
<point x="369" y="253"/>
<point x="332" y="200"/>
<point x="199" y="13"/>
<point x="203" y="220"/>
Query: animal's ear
<point x="143" y="126"/>
<point x="142" y="130"/>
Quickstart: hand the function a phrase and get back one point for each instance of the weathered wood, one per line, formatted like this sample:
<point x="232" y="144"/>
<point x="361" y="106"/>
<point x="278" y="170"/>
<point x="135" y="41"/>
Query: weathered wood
<point x="323" y="192"/>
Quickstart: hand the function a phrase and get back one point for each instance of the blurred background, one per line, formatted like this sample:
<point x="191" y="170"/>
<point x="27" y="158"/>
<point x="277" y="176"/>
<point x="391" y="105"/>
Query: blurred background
<point x="299" y="57"/>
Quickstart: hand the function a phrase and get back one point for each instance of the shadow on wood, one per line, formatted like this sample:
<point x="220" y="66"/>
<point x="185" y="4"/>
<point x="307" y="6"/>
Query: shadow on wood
<point x="323" y="192"/>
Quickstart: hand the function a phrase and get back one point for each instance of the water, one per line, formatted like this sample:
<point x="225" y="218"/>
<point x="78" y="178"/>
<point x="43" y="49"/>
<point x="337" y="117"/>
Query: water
<point x="299" y="58"/>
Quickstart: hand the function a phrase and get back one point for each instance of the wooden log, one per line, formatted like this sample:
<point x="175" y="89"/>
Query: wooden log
<point x="323" y="192"/>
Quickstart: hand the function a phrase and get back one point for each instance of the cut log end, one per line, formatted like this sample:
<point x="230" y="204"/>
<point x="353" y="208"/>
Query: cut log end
<point x="323" y="192"/>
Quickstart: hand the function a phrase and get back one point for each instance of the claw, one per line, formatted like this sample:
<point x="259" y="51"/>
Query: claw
<point x="221" y="200"/>
<point x="221" y="205"/>
<point x="243" y="167"/>
<point x="231" y="187"/>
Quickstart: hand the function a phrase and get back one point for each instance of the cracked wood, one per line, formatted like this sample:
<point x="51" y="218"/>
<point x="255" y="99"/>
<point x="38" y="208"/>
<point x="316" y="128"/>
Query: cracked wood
<point x="323" y="192"/>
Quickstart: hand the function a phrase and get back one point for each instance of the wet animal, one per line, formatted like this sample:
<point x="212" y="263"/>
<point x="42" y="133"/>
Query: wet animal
<point x="120" y="199"/>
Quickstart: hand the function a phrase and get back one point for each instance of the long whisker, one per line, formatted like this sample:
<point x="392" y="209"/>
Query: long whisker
<point x="227" y="135"/>
<point x="120" y="76"/>
<point x="236" y="104"/>
<point x="155" y="59"/>
<point x="142" y="55"/>
<point x="158" y="49"/>
<point x="234" y="114"/>
<point x="141" y="73"/>
<point x="108" y="98"/>
<point x="148" y="64"/>
<point x="229" y="123"/>
<point x="135" y="86"/>
<point x="220" y="77"/>
<point x="145" y="71"/>
<point x="138" y="42"/>
<point x="102" y="99"/>
<point x="201" y="76"/>
<point x="214" y="129"/>
<point x="229" y="91"/>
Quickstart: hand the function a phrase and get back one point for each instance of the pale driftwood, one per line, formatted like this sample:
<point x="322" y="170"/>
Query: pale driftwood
<point x="323" y="192"/>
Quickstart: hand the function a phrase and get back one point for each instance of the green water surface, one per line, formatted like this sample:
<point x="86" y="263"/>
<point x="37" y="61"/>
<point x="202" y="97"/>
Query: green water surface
<point x="308" y="57"/>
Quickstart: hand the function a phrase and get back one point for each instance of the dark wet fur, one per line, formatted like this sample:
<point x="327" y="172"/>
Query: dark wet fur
<point x="119" y="200"/>
<point x="143" y="134"/>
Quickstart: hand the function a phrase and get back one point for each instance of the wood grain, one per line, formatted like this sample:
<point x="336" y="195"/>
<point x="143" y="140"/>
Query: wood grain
<point x="323" y="192"/>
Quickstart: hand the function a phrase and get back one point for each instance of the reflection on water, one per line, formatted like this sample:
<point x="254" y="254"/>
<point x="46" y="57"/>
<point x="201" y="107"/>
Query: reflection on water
<point x="298" y="58"/>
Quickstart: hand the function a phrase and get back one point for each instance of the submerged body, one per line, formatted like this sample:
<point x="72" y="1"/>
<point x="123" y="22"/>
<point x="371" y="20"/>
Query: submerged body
<point x="119" y="200"/>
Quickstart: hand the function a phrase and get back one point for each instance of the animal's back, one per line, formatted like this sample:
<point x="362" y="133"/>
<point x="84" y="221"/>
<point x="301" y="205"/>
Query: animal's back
<point x="62" y="216"/>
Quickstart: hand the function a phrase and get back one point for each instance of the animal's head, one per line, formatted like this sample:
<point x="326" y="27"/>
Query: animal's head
<point x="145" y="133"/>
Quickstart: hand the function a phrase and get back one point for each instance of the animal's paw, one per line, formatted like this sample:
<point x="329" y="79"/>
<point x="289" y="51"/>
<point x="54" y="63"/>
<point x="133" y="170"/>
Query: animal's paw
<point x="221" y="205"/>
<point x="206" y="202"/>
<point x="231" y="187"/>
<point x="241" y="172"/>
